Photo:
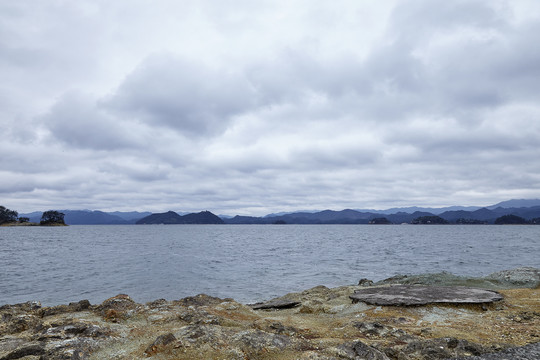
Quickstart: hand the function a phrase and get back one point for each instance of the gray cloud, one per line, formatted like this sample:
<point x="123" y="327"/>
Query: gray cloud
<point x="253" y="109"/>
<point x="77" y="120"/>
<point x="191" y="98"/>
<point x="452" y="58"/>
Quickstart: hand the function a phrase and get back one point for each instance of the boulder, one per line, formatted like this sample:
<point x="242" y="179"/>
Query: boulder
<point x="365" y="282"/>
<point x="521" y="277"/>
<point x="407" y="295"/>
<point x="116" y="308"/>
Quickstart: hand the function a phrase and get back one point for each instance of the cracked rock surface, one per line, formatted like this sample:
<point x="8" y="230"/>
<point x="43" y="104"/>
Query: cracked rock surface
<point x="408" y="295"/>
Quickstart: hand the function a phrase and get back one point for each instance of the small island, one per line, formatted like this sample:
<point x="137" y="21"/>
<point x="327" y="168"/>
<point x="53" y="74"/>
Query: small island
<point x="429" y="220"/>
<point x="49" y="218"/>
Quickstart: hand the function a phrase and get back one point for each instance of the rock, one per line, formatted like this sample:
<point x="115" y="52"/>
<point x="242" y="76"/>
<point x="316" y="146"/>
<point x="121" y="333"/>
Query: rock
<point x="375" y="330"/>
<point x="201" y="334"/>
<point x="259" y="340"/>
<point x="521" y="277"/>
<point x="9" y="344"/>
<point x="407" y="295"/>
<point x="22" y="307"/>
<point x="72" y="339"/>
<point x="371" y="329"/>
<point x="275" y="304"/>
<point x="118" y="307"/>
<point x="441" y="348"/>
<point x="275" y="327"/>
<point x="194" y="315"/>
<point x="61" y="309"/>
<point x="359" y="350"/>
<point x="54" y="310"/>
<point x="438" y="279"/>
<point x="120" y="301"/>
<point x="245" y="340"/>
<point x="81" y="305"/>
<point x="159" y="344"/>
<point x="527" y="352"/>
<point x="313" y="355"/>
<point x="326" y="326"/>
<point x="528" y="277"/>
<point x="71" y="329"/>
<point x="365" y="282"/>
<point x="349" y="309"/>
<point x="32" y="349"/>
<point x="159" y="303"/>
<point x="200" y="300"/>
<point x="13" y="324"/>
<point x="367" y="352"/>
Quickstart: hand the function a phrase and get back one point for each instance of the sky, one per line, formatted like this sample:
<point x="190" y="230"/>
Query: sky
<point x="257" y="106"/>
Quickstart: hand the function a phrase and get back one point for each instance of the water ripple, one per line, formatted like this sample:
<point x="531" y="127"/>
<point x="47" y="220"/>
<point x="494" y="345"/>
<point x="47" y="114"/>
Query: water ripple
<point x="249" y="263"/>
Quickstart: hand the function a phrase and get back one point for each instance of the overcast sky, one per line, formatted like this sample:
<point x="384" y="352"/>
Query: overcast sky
<point x="251" y="107"/>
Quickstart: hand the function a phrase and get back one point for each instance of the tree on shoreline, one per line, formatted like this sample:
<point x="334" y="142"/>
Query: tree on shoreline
<point x="430" y="220"/>
<point x="380" y="221"/>
<point x="510" y="220"/>
<point x="7" y="215"/>
<point x="52" y="217"/>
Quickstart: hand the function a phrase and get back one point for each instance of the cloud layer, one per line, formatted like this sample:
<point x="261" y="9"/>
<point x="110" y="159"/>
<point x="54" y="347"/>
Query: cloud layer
<point x="243" y="108"/>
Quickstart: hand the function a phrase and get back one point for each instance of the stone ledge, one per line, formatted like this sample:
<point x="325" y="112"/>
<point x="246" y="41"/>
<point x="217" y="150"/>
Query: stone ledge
<point x="411" y="295"/>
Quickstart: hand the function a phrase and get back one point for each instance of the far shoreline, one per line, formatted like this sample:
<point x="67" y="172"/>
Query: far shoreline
<point x="15" y="224"/>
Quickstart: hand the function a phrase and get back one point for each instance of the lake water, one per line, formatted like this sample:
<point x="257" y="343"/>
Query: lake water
<point x="58" y="265"/>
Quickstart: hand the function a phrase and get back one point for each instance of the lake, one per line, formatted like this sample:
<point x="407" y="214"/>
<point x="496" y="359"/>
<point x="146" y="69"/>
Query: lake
<point x="250" y="263"/>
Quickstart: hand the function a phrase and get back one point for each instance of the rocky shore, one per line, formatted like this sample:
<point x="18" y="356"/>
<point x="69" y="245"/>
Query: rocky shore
<point x="317" y="324"/>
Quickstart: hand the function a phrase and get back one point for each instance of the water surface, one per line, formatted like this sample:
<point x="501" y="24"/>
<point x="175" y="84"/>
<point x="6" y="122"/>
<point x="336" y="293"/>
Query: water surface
<point x="249" y="263"/>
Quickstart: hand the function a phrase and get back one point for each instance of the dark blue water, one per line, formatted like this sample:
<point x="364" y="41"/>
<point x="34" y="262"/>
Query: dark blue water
<point x="249" y="263"/>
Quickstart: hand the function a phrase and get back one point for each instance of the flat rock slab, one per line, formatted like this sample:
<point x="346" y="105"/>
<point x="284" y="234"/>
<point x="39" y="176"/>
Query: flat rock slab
<point x="275" y="304"/>
<point x="409" y="295"/>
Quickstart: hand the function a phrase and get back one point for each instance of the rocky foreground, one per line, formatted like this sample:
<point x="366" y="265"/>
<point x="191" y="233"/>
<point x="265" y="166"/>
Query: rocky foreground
<point x="318" y="324"/>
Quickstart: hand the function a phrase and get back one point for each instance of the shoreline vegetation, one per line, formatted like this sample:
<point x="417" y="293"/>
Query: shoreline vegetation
<point x="32" y="224"/>
<point x="319" y="323"/>
<point x="48" y="218"/>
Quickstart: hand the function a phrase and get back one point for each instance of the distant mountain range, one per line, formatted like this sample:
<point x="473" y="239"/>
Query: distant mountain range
<point x="482" y="215"/>
<point x="525" y="208"/>
<point x="88" y="217"/>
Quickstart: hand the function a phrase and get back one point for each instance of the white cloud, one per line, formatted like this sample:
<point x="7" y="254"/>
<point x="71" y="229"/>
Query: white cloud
<point x="250" y="107"/>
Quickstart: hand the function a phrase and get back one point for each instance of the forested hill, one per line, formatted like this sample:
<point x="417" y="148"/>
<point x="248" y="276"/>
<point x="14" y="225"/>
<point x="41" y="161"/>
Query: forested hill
<point x="171" y="218"/>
